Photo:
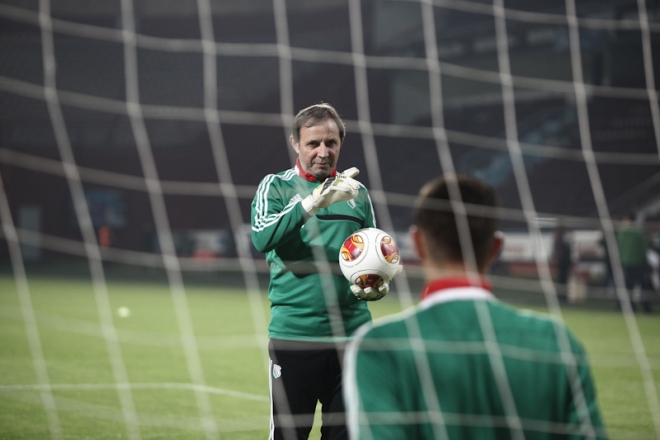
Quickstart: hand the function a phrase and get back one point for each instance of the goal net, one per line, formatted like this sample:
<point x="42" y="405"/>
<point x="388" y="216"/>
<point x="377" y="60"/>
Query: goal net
<point x="135" y="133"/>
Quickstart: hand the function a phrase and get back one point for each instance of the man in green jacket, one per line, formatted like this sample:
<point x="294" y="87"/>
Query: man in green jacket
<point x="461" y="364"/>
<point x="300" y="218"/>
<point x="632" y="245"/>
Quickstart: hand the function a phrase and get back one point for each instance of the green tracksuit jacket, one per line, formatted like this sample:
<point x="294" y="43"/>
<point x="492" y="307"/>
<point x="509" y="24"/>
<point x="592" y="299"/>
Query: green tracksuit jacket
<point x="632" y="246"/>
<point x="389" y="387"/>
<point x="306" y="305"/>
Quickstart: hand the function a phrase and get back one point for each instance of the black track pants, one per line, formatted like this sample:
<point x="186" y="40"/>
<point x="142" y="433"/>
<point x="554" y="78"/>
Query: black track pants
<point x="302" y="373"/>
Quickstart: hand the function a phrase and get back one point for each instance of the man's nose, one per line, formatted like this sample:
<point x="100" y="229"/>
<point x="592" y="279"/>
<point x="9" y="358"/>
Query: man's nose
<point x="323" y="150"/>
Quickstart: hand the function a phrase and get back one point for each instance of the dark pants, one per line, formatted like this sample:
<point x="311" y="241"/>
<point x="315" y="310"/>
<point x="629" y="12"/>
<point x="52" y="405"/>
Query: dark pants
<point x="302" y="374"/>
<point x="563" y="272"/>
<point x="636" y="276"/>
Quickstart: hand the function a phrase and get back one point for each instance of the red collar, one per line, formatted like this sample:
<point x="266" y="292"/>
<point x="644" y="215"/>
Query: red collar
<point x="305" y="175"/>
<point x="436" y="286"/>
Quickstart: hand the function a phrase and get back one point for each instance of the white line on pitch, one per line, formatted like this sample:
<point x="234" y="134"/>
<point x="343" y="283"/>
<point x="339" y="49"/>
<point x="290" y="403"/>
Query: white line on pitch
<point x="136" y="386"/>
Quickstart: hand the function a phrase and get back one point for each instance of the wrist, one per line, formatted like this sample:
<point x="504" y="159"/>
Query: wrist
<point x="309" y="205"/>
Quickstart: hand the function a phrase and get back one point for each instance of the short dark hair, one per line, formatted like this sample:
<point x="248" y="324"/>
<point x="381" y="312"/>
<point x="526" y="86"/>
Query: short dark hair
<point x="315" y="114"/>
<point x="436" y="219"/>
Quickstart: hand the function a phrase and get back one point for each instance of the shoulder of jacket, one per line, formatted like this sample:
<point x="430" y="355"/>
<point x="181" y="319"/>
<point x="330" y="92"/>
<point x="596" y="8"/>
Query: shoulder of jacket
<point x="282" y="175"/>
<point x="277" y="179"/>
<point x="363" y="191"/>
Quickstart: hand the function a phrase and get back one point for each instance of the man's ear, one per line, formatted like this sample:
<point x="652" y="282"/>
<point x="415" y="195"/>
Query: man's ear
<point x="418" y="242"/>
<point x="496" y="247"/>
<point x="294" y="144"/>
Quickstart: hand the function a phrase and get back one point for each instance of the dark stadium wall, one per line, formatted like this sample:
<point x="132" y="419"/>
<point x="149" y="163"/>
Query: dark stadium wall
<point x="183" y="152"/>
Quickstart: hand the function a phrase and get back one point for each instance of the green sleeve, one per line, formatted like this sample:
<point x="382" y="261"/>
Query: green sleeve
<point x="274" y="220"/>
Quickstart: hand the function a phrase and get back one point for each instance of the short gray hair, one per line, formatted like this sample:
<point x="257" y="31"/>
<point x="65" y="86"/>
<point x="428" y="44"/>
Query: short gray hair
<point x="314" y="115"/>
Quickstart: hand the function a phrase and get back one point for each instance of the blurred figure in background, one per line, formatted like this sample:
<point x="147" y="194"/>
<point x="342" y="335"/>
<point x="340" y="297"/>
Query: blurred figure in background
<point x="562" y="260"/>
<point x="653" y="260"/>
<point x="608" y="280"/>
<point x="632" y="252"/>
<point x="106" y="238"/>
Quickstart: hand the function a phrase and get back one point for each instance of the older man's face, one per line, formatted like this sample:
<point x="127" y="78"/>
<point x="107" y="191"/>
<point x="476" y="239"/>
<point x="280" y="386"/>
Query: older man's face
<point x="318" y="148"/>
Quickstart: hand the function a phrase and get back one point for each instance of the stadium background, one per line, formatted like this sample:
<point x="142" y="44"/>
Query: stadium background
<point x="276" y="57"/>
<point x="248" y="88"/>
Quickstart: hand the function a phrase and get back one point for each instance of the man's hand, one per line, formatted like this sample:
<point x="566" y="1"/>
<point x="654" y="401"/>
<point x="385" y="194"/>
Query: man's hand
<point x="340" y="188"/>
<point x="371" y="294"/>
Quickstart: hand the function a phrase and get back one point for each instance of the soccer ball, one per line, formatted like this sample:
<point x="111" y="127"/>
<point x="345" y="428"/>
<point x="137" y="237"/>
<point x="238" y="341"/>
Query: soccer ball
<point x="369" y="257"/>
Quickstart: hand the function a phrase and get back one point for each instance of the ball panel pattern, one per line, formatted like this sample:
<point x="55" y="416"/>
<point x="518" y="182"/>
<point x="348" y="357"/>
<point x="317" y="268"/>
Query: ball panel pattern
<point x="352" y="247"/>
<point x="369" y="280"/>
<point x="389" y="249"/>
<point x="369" y="257"/>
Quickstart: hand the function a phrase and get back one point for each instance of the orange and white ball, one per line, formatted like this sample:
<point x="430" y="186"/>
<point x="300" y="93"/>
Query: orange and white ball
<point x="369" y="257"/>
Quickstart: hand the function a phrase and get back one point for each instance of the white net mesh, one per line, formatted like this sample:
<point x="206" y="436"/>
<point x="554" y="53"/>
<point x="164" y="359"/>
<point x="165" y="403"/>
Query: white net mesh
<point x="160" y="123"/>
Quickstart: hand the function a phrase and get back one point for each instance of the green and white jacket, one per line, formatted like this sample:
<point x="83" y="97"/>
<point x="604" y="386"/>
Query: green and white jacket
<point x="463" y="365"/>
<point x="310" y="298"/>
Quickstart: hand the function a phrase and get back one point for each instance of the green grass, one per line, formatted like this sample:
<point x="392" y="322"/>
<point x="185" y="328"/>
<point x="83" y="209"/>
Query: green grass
<point x="232" y="360"/>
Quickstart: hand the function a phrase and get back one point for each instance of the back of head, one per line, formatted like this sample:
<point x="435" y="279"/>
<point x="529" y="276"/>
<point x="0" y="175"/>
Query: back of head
<point x="314" y="115"/>
<point x="437" y="221"/>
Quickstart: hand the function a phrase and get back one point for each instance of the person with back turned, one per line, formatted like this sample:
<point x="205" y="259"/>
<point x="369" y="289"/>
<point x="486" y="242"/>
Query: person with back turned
<point x="461" y="364"/>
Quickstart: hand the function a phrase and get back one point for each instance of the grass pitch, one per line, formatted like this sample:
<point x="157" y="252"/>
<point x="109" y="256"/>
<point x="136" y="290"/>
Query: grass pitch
<point x="232" y="359"/>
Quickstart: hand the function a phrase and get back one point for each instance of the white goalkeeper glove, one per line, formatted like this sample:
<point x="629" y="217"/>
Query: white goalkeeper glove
<point x="339" y="188"/>
<point x="371" y="294"/>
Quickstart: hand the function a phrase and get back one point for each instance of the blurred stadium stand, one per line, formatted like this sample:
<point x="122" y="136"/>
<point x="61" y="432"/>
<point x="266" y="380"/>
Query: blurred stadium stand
<point x="104" y="141"/>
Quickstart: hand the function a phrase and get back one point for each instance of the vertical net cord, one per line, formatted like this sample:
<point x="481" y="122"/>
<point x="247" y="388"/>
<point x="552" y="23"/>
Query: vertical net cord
<point x="530" y="214"/>
<point x="606" y="220"/>
<point x="376" y="190"/>
<point x="647" y="51"/>
<point x="465" y="239"/>
<point x="247" y="264"/>
<point x="448" y="169"/>
<point x="433" y="410"/>
<point x="225" y="180"/>
<point x="287" y="113"/>
<point x="29" y="318"/>
<point x="286" y="99"/>
<point x="164" y="232"/>
<point x="92" y="250"/>
<point x="287" y="110"/>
